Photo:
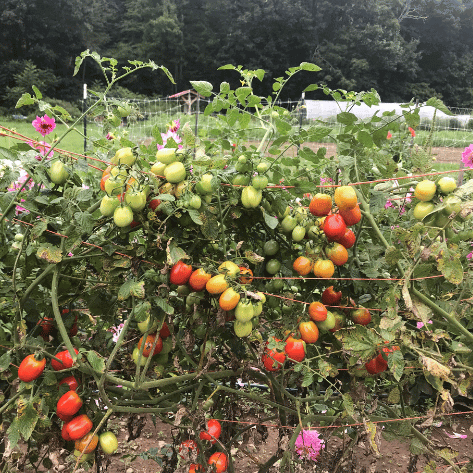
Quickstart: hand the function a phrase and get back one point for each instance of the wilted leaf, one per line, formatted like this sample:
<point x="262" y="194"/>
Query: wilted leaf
<point x="436" y="369"/>
<point x="49" y="253"/>
<point x="359" y="341"/>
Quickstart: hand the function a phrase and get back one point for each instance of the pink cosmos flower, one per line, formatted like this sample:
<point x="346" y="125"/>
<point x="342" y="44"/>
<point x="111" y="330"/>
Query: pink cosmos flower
<point x="413" y="132"/>
<point x="43" y="149"/>
<point x="174" y="126"/>
<point x="110" y="136"/>
<point x="308" y="445"/>
<point x="389" y="135"/>
<point x="44" y="125"/>
<point x="388" y="204"/>
<point x="421" y="324"/>
<point x="467" y="156"/>
<point x="469" y="255"/>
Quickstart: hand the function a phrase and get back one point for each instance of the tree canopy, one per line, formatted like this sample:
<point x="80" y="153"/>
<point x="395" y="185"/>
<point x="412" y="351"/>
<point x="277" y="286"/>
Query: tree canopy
<point x="403" y="48"/>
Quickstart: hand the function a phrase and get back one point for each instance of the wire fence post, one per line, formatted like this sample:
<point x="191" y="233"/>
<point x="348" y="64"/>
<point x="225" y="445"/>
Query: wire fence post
<point x="84" y="108"/>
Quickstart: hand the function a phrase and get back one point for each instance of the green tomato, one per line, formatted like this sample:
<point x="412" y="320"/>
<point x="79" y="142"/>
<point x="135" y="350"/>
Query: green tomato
<point x="328" y="323"/>
<point x="298" y="233"/>
<point x="447" y="184"/>
<point x="241" y="180"/>
<point x="288" y="223"/>
<point x="453" y="204"/>
<point x="146" y="325"/>
<point x="175" y="172"/>
<point x="273" y="266"/>
<point x="262" y="168"/>
<point x="422" y="209"/>
<point x="167" y="347"/>
<point x="108" y="205"/>
<point x="209" y="183"/>
<point x="271" y="247"/>
<point x="114" y="185"/>
<point x="108" y="442"/>
<point x="259" y="182"/>
<point x="135" y="355"/>
<point x="136" y="200"/>
<point x="166" y="155"/>
<point x="84" y="457"/>
<point x="124" y="111"/>
<point x="257" y="308"/>
<point x="278" y="284"/>
<point x="113" y="119"/>
<point x="242" y="329"/>
<point x="251" y="197"/>
<point x="195" y="202"/>
<point x="244" y="311"/>
<point x="123" y="216"/>
<point x="19" y="237"/>
<point x="158" y="168"/>
<point x="58" y="172"/>
<point x="124" y="156"/>
<point x="242" y="167"/>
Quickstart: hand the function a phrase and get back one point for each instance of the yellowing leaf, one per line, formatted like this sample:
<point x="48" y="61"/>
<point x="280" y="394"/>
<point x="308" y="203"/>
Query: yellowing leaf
<point x="436" y="369"/>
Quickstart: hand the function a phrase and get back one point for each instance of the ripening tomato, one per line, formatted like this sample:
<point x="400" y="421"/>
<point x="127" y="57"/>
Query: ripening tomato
<point x="78" y="427"/>
<point x="149" y="345"/>
<point x="58" y="172"/>
<point x="337" y="253"/>
<point x="345" y="198"/>
<point x="229" y="269"/>
<point x="302" y="265"/>
<point x="88" y="443"/>
<point x="196" y="468"/>
<point x="246" y="275"/>
<point x="361" y="316"/>
<point x="330" y="296"/>
<point x="324" y="268"/>
<point x="273" y="359"/>
<point x="244" y="310"/>
<point x="47" y="327"/>
<point x="108" y="442"/>
<point x="229" y="299"/>
<point x="295" y="348"/>
<point x="214" y="429"/>
<point x="164" y="332"/>
<point x="123" y="216"/>
<point x="219" y="462"/>
<point x="317" y="311"/>
<point x="216" y="284"/>
<point x="348" y="239"/>
<point x="320" y="205"/>
<point x="68" y="404"/>
<point x="309" y="331"/>
<point x="31" y="368"/>
<point x="180" y="273"/>
<point x="334" y="226"/>
<point x="374" y="366"/>
<point x="198" y="279"/>
<point x="351" y="217"/>
<point x="339" y="322"/>
<point x="66" y="360"/>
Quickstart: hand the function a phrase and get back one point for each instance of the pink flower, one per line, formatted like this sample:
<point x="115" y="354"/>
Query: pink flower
<point x="408" y="197"/>
<point x="44" y="125"/>
<point x="43" y="149"/>
<point x="308" y="445"/>
<point x="467" y="156"/>
<point x="116" y="332"/>
<point x="413" y="132"/>
<point x="421" y="324"/>
<point x="166" y="136"/>
<point x="388" y="204"/>
<point x="469" y="255"/>
<point x="389" y="135"/>
<point x="110" y="136"/>
<point x="174" y="126"/>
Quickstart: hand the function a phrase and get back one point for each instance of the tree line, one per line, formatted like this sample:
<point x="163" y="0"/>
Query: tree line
<point x="402" y="48"/>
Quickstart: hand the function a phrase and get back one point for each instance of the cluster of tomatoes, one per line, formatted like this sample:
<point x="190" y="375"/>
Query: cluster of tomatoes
<point x="230" y="287"/>
<point x="48" y="327"/>
<point x="127" y="192"/>
<point x="188" y="449"/>
<point x="380" y="362"/>
<point x="427" y="192"/>
<point x="77" y="427"/>
<point x="329" y="236"/>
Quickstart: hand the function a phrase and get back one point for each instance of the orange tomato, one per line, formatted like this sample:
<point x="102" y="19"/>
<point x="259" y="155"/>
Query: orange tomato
<point x="246" y="275"/>
<point x="82" y="446"/>
<point x="229" y="299"/>
<point x="345" y="198"/>
<point x="352" y="216"/>
<point x="302" y="265"/>
<point x="337" y="253"/>
<point x="317" y="311"/>
<point x="324" y="268"/>
<point x="309" y="331"/>
<point x="320" y="205"/>
<point x="149" y="344"/>
<point x="198" y="279"/>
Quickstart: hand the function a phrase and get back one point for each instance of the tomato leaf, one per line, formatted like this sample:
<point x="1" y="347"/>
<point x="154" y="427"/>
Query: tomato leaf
<point x="202" y="87"/>
<point x="25" y="99"/>
<point x="271" y="222"/>
<point x="141" y="311"/>
<point x="162" y="304"/>
<point x="49" y="253"/>
<point x="96" y="361"/>
<point x="131" y="288"/>
<point x="27" y="420"/>
<point x="359" y="341"/>
<point x="5" y="360"/>
<point x="450" y="266"/>
<point x="195" y="216"/>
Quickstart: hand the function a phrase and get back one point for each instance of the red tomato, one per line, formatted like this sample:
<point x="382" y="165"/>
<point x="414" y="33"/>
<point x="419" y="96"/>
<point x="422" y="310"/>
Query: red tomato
<point x="180" y="273"/>
<point x="164" y="332"/>
<point x="64" y="433"/>
<point x="317" y="311"/>
<point x="309" y="331"/>
<point x="186" y="447"/>
<point x="334" y="226"/>
<point x="31" y="368"/>
<point x="348" y="239"/>
<point x="68" y="404"/>
<point x="214" y="429"/>
<point x="246" y="275"/>
<point x="66" y="360"/>
<point x="149" y="345"/>
<point x="361" y="316"/>
<point x="330" y="296"/>
<point x="78" y="427"/>
<point x="273" y="359"/>
<point x="196" y="468"/>
<point x="219" y="461"/>
<point x="295" y="348"/>
<point x="351" y="217"/>
<point x="337" y="253"/>
<point x="71" y="381"/>
<point x="374" y="367"/>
